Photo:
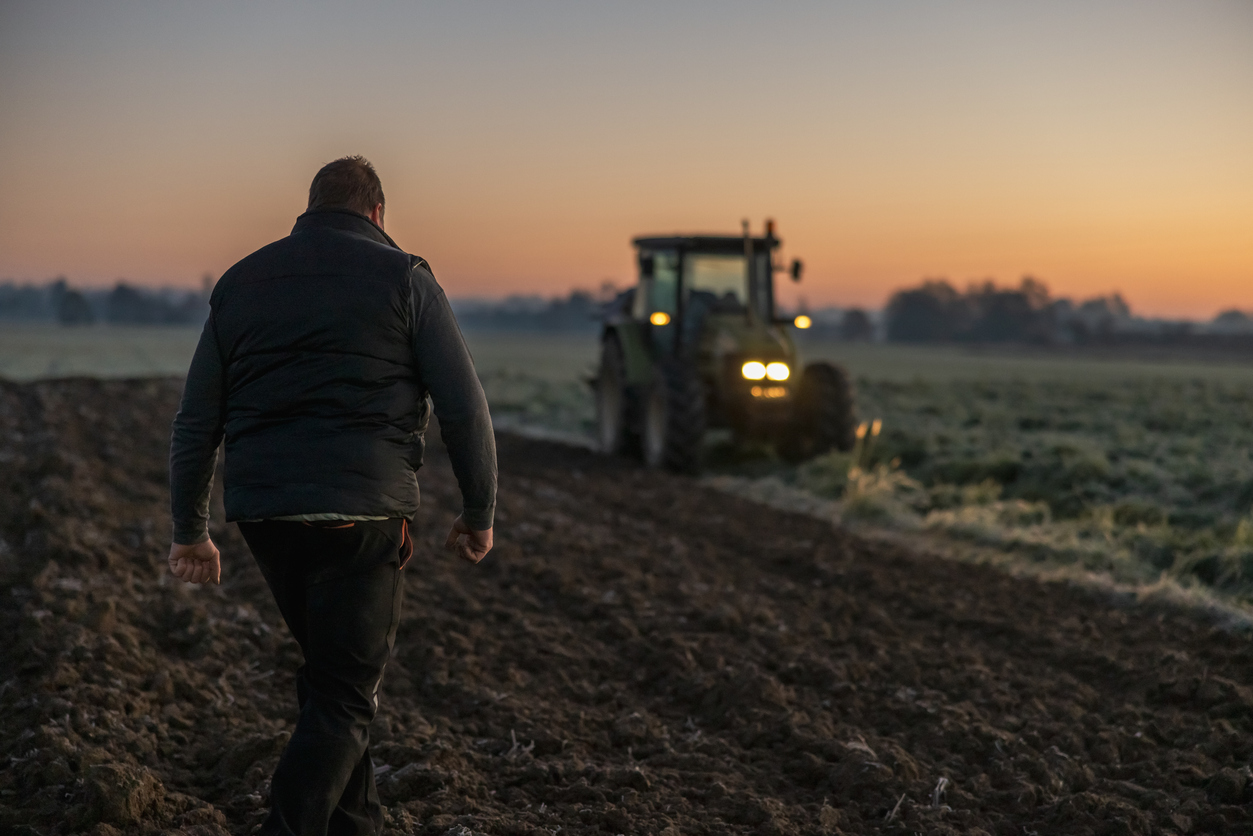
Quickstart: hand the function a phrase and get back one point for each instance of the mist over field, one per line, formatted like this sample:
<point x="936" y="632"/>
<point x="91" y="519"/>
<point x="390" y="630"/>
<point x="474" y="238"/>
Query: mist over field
<point x="1135" y="465"/>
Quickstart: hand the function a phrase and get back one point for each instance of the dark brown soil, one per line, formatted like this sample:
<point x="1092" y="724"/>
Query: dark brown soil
<point x="638" y="655"/>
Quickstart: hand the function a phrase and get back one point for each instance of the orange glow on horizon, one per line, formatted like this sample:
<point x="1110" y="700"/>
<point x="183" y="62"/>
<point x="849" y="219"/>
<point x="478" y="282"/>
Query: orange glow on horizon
<point x="1096" y="150"/>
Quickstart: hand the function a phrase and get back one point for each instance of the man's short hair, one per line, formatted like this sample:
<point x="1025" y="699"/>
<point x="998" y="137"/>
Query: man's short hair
<point x="347" y="183"/>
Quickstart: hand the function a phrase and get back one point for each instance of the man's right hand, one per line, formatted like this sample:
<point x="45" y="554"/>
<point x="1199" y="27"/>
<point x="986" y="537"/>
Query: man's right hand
<point x="470" y="545"/>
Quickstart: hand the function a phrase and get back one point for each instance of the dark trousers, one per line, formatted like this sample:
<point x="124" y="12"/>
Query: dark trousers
<point x="338" y="586"/>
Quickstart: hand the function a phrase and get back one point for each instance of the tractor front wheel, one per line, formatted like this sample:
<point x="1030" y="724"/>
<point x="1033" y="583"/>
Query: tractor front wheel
<point x="824" y="418"/>
<point x="613" y="431"/>
<point x="674" y="419"/>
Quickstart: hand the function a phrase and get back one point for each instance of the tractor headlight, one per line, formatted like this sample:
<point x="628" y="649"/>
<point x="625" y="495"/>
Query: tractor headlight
<point x="777" y="371"/>
<point x="802" y="322"/>
<point x="753" y="370"/>
<point x="660" y="318"/>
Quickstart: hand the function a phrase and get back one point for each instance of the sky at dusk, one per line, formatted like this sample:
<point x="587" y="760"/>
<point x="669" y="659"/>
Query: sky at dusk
<point x="1100" y="146"/>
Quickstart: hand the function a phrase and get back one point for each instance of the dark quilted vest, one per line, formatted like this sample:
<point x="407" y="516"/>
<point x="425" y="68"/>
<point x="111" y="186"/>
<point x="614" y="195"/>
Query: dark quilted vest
<point x="324" y="412"/>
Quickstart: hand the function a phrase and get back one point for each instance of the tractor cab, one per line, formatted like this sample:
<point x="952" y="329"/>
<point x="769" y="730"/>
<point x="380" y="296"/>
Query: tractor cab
<point x="684" y="279"/>
<point x="710" y="272"/>
<point x="698" y="344"/>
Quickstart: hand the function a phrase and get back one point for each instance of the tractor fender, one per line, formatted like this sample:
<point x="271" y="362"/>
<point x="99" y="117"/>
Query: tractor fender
<point x="636" y="351"/>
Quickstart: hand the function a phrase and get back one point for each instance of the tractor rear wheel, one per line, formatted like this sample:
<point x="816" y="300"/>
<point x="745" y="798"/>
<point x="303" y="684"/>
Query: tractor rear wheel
<point x="825" y="417"/>
<point x="674" y="419"/>
<point x="613" y="430"/>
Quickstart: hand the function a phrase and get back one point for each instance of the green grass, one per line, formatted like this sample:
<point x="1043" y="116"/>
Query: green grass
<point x="1132" y="477"/>
<point x="537" y="381"/>
<point x="38" y="351"/>
<point x="1136" y="469"/>
<point x="937" y="364"/>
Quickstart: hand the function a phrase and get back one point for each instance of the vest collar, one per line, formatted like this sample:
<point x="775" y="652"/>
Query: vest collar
<point x="342" y="220"/>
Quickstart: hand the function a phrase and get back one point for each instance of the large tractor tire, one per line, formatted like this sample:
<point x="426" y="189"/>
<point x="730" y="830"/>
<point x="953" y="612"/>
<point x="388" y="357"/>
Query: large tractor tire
<point x="674" y="419"/>
<point x="825" y="416"/>
<point x="613" y="403"/>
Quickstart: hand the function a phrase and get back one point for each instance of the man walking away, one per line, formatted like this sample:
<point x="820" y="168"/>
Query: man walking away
<point x="316" y="364"/>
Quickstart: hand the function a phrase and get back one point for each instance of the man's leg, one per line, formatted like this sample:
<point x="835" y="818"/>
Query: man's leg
<point x="359" y="809"/>
<point x="350" y="664"/>
<point x="276" y="548"/>
<point x="352" y="592"/>
<point x="281" y="554"/>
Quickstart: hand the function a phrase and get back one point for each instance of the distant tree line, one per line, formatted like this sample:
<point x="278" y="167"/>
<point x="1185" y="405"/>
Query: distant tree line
<point x="938" y="312"/>
<point x="580" y="310"/>
<point x="935" y="311"/>
<point x="129" y="304"/>
<point x="846" y="324"/>
<point x="123" y="304"/>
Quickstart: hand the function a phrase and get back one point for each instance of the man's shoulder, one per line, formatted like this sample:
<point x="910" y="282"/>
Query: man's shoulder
<point x="296" y="255"/>
<point x="255" y="261"/>
<point x="422" y="277"/>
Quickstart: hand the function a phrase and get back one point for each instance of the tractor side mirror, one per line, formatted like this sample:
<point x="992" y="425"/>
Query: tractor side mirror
<point x="798" y="267"/>
<point x="646" y="266"/>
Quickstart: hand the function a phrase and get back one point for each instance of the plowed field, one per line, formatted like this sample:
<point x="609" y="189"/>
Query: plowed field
<point x="639" y="655"/>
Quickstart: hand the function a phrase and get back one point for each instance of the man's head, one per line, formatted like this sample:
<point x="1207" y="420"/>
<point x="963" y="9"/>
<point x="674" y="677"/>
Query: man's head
<point x="348" y="183"/>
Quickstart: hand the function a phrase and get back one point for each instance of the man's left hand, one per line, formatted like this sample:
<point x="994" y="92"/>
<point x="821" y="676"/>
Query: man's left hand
<point x="199" y="563"/>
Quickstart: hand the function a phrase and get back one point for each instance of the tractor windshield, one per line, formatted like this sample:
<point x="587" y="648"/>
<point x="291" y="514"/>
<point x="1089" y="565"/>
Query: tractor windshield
<point x="719" y="279"/>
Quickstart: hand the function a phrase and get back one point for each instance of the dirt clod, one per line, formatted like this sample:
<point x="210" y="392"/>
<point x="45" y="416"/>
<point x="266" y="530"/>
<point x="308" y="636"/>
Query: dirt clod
<point x="1227" y="786"/>
<point x="118" y="794"/>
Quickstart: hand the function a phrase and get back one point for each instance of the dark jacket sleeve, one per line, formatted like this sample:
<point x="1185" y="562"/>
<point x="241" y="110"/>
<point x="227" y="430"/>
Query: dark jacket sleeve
<point x="194" y="441"/>
<point x="447" y="372"/>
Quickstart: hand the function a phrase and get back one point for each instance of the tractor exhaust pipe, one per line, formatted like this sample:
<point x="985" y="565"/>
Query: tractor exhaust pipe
<point x="750" y="278"/>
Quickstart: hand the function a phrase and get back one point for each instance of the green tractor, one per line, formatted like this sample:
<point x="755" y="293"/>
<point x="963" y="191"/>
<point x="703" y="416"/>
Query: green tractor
<point x="697" y="345"/>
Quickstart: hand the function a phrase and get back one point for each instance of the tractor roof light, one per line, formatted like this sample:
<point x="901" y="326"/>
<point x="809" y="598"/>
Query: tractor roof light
<point x="660" y="318"/>
<point x="777" y="371"/>
<point x="753" y="370"/>
<point x="802" y="322"/>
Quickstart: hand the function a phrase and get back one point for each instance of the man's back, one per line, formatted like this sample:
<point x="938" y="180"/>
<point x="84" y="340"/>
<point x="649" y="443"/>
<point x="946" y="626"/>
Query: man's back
<point x="322" y="392"/>
<point x="316" y="363"/>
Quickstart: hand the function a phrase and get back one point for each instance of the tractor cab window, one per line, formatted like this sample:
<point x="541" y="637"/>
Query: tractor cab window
<point x="659" y="285"/>
<point x="716" y="282"/>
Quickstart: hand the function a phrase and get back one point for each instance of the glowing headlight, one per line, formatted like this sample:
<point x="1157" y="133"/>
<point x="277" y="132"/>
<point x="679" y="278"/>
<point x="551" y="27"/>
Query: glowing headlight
<point x="802" y="322"/>
<point x="777" y="371"/>
<point x="753" y="370"/>
<point x="660" y="318"/>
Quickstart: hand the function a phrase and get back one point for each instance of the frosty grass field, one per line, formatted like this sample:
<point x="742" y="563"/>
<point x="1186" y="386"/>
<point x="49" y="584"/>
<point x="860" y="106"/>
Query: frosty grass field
<point x="1141" y="472"/>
